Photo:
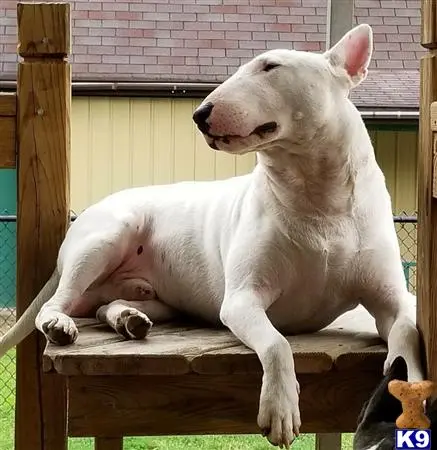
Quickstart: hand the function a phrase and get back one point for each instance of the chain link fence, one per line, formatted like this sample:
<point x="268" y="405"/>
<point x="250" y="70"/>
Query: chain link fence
<point x="405" y="227"/>
<point x="7" y="319"/>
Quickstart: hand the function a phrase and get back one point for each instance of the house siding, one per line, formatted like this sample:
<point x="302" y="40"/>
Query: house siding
<point x="123" y="142"/>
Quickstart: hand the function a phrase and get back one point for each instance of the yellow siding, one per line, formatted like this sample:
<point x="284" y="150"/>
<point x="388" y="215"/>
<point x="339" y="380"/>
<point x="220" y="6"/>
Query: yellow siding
<point x="396" y="153"/>
<point x="122" y="142"/>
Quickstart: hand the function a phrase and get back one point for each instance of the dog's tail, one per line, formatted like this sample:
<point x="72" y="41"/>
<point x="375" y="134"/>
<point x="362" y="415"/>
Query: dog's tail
<point x="26" y="323"/>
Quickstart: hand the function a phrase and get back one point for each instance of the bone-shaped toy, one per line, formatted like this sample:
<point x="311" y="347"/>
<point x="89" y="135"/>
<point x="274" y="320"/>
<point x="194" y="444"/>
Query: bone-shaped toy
<point x="412" y="396"/>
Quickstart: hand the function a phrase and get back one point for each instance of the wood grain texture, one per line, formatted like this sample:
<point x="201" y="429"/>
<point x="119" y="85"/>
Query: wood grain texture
<point x="434" y="116"/>
<point x="433" y="126"/>
<point x="350" y="342"/>
<point x="43" y="29"/>
<point x="427" y="219"/>
<point x="328" y="441"/>
<point x="8" y="145"/>
<point x="43" y="130"/>
<point x="54" y="411"/>
<point x="105" y="443"/>
<point x="429" y="24"/>
<point x="43" y="173"/>
<point x="208" y="404"/>
<point x="434" y="164"/>
<point x="8" y="104"/>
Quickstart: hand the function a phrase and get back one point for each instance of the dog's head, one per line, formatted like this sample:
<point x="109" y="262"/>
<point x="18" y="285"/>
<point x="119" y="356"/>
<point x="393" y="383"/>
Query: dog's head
<point x="377" y="420"/>
<point x="284" y="95"/>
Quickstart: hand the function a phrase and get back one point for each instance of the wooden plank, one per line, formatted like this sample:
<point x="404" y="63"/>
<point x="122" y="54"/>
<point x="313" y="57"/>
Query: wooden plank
<point x="433" y="116"/>
<point x="350" y="342"/>
<point x="328" y="441"/>
<point x="433" y="125"/>
<point x="434" y="165"/>
<point x="427" y="219"/>
<point x="206" y="404"/>
<point x="8" y="111"/>
<point x="8" y="144"/>
<point x="44" y="97"/>
<point x="54" y="416"/>
<point x="429" y="24"/>
<point x="43" y="29"/>
<point x="105" y="443"/>
<point x="8" y="104"/>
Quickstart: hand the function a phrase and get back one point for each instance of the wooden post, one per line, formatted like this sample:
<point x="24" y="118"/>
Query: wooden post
<point x="8" y="118"/>
<point x="108" y="443"/>
<point x="43" y="131"/>
<point x="427" y="205"/>
<point x="328" y="441"/>
<point x="429" y="29"/>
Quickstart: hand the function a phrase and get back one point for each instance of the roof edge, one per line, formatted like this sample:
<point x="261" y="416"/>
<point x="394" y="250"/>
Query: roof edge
<point x="190" y="90"/>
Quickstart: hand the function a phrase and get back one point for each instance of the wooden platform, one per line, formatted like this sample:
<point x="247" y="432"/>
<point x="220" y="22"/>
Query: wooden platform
<point x="210" y="380"/>
<point x="181" y="349"/>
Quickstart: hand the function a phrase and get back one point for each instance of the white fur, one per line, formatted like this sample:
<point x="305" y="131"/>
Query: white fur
<point x="376" y="446"/>
<point x="287" y="248"/>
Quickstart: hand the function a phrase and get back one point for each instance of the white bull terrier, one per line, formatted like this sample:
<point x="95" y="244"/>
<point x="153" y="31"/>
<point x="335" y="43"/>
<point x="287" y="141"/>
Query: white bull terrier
<point x="305" y="237"/>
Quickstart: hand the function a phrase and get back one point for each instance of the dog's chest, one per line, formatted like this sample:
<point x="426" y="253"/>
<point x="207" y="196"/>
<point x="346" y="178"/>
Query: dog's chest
<point x="323" y="252"/>
<point x="320" y="282"/>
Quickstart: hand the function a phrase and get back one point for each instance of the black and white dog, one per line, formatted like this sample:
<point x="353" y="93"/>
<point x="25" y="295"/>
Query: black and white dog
<point x="376" y="422"/>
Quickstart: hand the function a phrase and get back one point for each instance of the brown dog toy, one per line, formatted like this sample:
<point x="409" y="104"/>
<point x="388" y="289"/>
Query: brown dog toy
<point x="412" y="395"/>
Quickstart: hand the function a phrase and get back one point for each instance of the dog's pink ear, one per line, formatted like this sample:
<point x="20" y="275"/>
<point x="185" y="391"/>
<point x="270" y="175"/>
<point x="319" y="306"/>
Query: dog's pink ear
<point x="352" y="53"/>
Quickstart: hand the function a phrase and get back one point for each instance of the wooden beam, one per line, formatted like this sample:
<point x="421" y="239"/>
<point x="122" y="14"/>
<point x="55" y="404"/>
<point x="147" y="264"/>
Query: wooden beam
<point x="339" y="20"/>
<point x="44" y="31"/>
<point x="102" y="406"/>
<point x="427" y="205"/>
<point x="428" y="37"/>
<point x="8" y="104"/>
<point x="8" y="146"/>
<point x="103" y="443"/>
<point x="328" y="441"/>
<point x="8" y="142"/>
<point x="434" y="147"/>
<point x="44" y="99"/>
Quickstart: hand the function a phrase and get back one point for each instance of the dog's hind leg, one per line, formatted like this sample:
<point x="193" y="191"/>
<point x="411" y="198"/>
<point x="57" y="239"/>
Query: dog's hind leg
<point x="82" y="261"/>
<point x="134" y="319"/>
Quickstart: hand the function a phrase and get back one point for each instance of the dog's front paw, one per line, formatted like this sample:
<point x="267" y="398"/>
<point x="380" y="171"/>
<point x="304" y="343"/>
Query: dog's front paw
<point x="132" y="324"/>
<point x="60" y="329"/>
<point x="279" y="415"/>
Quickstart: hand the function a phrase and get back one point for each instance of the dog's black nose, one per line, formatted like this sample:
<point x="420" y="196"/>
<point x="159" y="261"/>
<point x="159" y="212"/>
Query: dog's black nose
<point x="201" y="114"/>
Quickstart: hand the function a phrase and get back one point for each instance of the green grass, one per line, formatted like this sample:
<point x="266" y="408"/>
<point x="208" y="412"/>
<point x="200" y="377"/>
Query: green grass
<point x="255" y="442"/>
<point x="7" y="400"/>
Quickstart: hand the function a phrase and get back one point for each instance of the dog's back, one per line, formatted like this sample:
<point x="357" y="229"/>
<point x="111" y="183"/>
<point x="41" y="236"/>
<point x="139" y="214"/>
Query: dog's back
<point x="376" y="423"/>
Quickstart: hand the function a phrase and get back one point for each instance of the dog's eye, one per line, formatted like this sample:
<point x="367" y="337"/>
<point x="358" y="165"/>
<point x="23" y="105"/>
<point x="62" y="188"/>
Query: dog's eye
<point x="269" y="66"/>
